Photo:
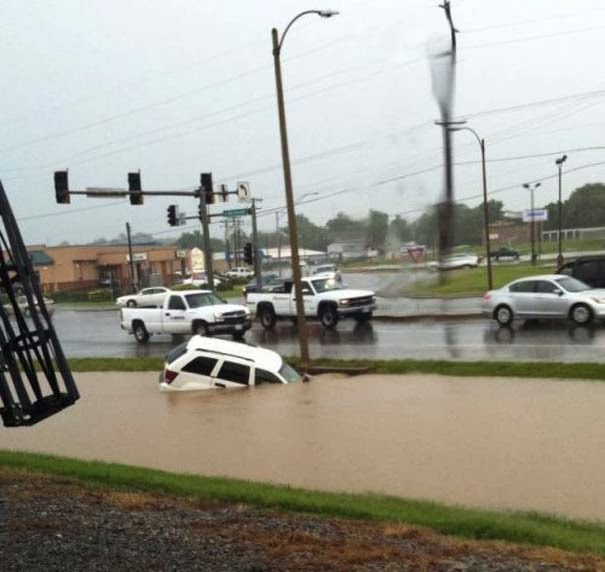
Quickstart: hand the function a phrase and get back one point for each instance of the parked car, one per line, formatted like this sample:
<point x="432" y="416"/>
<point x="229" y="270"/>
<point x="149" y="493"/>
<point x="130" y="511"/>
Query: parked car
<point x="588" y="269"/>
<point x="455" y="261"/>
<point x="327" y="271"/>
<point x="205" y="363"/>
<point x="325" y="299"/>
<point x="268" y="279"/>
<point x="199" y="312"/>
<point x="145" y="298"/>
<point x="545" y="296"/>
<point x="504" y="252"/>
<point x="240" y="272"/>
<point x="200" y="279"/>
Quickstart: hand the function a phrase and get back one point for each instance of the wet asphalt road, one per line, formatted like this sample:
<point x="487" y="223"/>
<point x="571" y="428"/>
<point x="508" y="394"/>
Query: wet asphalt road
<point x="98" y="333"/>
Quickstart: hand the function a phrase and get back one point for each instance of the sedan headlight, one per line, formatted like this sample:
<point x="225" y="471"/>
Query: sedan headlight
<point x="599" y="299"/>
<point x="344" y="302"/>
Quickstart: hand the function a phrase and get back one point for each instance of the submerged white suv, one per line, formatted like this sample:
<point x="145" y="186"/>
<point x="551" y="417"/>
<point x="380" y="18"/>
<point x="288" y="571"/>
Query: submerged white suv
<point x="206" y="363"/>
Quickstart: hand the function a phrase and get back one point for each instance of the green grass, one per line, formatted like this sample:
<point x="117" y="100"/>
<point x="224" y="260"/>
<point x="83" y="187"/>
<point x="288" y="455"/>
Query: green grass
<point x="529" y="528"/>
<point x="235" y="292"/>
<point x="485" y="369"/>
<point x="473" y="281"/>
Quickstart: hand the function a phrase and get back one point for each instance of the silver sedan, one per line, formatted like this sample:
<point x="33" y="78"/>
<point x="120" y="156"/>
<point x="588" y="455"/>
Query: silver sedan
<point x="546" y="296"/>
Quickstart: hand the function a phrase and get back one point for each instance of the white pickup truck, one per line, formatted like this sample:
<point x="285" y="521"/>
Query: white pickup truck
<point x="191" y="312"/>
<point x="325" y="298"/>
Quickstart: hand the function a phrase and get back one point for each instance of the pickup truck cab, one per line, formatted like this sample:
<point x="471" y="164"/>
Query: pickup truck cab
<point x="325" y="298"/>
<point x="191" y="312"/>
<point x="240" y="272"/>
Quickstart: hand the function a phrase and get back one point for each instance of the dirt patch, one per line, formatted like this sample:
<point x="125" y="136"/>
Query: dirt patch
<point x="50" y="524"/>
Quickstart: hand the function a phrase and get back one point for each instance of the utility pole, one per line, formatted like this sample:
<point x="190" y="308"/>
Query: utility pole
<point x="278" y="241"/>
<point x="445" y="211"/>
<point x="532" y="221"/>
<point x="205" y="191"/>
<point x="559" y="162"/>
<point x="133" y="279"/>
<point x="255" y="245"/>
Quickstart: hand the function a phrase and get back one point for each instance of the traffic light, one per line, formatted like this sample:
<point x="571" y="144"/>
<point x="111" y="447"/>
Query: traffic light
<point x="172" y="216"/>
<point x="207" y="188"/>
<point x="248" y="254"/>
<point x="134" y="186"/>
<point x="62" y="188"/>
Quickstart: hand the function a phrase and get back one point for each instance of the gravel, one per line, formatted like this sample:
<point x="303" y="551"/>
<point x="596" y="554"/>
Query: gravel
<point x="49" y="523"/>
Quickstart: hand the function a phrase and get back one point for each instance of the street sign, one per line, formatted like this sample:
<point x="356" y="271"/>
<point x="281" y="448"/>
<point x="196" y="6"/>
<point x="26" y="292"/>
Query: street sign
<point x="243" y="191"/>
<point x="536" y="215"/>
<point x="235" y="213"/>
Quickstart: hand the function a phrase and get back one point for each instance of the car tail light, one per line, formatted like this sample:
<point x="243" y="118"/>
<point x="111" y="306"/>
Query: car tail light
<point x="486" y="296"/>
<point x="170" y="376"/>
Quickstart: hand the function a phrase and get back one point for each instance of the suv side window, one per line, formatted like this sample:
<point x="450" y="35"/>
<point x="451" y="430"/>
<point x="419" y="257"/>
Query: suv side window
<point x="235" y="372"/>
<point x="566" y="269"/>
<point x="264" y="376"/>
<point x="176" y="303"/>
<point x="523" y="287"/>
<point x="201" y="365"/>
<point x="590" y="271"/>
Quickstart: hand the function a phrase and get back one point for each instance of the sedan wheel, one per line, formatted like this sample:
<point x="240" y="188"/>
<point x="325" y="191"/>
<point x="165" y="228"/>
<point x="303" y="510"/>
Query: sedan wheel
<point x="581" y="314"/>
<point x="504" y="315"/>
<point x="131" y="303"/>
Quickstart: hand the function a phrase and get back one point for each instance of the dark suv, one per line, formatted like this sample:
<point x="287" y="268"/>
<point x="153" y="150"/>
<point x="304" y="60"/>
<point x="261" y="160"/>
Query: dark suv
<point x="504" y="252"/>
<point x="588" y="269"/>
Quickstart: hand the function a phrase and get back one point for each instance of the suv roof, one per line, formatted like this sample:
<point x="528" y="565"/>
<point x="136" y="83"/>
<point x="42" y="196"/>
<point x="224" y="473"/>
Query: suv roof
<point x="266" y="359"/>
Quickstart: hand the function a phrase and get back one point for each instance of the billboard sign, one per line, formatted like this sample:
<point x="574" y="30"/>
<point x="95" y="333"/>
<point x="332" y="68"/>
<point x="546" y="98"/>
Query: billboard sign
<point x="537" y="215"/>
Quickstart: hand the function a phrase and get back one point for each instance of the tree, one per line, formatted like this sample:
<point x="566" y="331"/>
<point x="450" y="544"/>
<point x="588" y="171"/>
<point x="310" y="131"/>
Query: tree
<point x="584" y="208"/>
<point x="343" y="227"/>
<point x="401" y="228"/>
<point x="378" y="225"/>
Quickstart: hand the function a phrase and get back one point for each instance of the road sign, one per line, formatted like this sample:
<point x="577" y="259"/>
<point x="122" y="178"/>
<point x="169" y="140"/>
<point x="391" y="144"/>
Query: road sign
<point x="235" y="213"/>
<point x="536" y="215"/>
<point x="243" y="191"/>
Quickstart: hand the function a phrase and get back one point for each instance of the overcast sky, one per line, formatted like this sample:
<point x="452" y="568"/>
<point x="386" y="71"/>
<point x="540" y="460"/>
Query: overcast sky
<point x="178" y="88"/>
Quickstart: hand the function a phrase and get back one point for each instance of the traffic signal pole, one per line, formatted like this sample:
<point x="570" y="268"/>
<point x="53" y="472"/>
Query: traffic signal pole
<point x="255" y="246"/>
<point x="133" y="278"/>
<point x="206" y="233"/>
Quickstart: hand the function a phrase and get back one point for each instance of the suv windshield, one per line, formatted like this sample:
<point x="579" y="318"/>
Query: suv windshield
<point x="327" y="284"/>
<point x="205" y="299"/>
<point x="289" y="373"/>
<point x="572" y="285"/>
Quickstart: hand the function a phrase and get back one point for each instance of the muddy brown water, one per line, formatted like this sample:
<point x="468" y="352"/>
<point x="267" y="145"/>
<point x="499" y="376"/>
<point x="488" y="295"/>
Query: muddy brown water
<point x="502" y="443"/>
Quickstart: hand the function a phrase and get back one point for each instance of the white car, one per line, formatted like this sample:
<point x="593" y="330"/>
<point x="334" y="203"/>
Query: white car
<point x="327" y="271"/>
<point x="546" y="296"/>
<point x="206" y="363"/>
<point x="145" y="298"/>
<point x="240" y="272"/>
<point x="200" y="279"/>
<point x="455" y="261"/>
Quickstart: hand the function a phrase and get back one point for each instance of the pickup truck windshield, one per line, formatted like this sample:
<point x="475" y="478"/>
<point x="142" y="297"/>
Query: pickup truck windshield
<point x="327" y="284"/>
<point x="206" y="299"/>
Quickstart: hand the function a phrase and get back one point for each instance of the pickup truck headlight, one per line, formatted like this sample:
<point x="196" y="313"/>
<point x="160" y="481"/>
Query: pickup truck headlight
<point x="218" y="316"/>
<point x="248" y="312"/>
<point x="344" y="302"/>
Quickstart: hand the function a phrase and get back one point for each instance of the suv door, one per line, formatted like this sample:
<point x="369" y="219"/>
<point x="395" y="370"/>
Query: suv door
<point x="592" y="272"/>
<point x="174" y="319"/>
<point x="232" y="373"/>
<point x="198" y="372"/>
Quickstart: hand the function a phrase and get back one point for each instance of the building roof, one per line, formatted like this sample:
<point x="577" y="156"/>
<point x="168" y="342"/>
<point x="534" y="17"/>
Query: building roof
<point x="40" y="258"/>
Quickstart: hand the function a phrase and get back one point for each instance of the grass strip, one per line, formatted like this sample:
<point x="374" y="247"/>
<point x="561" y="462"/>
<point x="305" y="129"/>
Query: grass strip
<point x="529" y="528"/>
<point x="555" y="370"/>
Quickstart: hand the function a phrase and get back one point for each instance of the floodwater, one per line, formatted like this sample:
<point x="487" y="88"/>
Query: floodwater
<point x="508" y="444"/>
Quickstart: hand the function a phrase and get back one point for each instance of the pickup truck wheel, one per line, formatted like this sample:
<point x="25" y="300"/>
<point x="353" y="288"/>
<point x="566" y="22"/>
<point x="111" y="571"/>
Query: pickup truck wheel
<point x="267" y="317"/>
<point x="140" y="332"/>
<point x="328" y="317"/>
<point x="200" y="329"/>
<point x="131" y="303"/>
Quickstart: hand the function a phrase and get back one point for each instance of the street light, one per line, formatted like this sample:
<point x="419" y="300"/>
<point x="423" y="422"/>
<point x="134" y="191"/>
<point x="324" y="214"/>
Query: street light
<point x="490" y="283"/>
<point x="300" y="308"/>
<point x="532" y="188"/>
<point x="559" y="162"/>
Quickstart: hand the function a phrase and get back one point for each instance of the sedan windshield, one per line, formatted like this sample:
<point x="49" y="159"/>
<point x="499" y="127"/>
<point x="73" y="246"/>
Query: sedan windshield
<point x="572" y="285"/>
<point x="205" y="299"/>
<point x="289" y="373"/>
<point x="327" y="284"/>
